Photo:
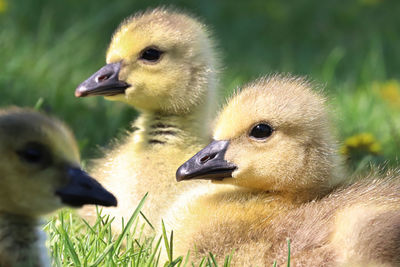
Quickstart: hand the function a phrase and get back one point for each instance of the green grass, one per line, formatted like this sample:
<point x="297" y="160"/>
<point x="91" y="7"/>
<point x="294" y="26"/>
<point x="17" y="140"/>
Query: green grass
<point x="349" y="46"/>
<point x="74" y="242"/>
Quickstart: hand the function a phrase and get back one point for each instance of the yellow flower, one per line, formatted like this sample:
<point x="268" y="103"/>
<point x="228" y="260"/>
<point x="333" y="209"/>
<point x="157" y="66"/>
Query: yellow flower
<point x="3" y="6"/>
<point x="363" y="143"/>
<point x="390" y="92"/>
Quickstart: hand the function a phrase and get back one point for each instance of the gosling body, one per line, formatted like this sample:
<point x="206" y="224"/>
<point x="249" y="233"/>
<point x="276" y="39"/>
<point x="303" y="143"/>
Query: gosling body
<point x="167" y="69"/>
<point x="23" y="242"/>
<point x="353" y="226"/>
<point x="276" y="158"/>
<point x="39" y="173"/>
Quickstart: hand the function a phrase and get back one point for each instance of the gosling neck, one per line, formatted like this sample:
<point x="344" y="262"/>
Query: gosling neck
<point x="283" y="198"/>
<point x="22" y="242"/>
<point x="168" y="128"/>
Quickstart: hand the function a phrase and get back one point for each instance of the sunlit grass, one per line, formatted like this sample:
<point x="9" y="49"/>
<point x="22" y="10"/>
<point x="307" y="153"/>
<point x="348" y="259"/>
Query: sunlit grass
<point x="74" y="242"/>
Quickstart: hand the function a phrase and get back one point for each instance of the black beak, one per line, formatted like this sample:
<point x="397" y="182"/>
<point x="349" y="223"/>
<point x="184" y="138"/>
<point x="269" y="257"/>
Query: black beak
<point x="104" y="82"/>
<point x="83" y="189"/>
<point x="208" y="164"/>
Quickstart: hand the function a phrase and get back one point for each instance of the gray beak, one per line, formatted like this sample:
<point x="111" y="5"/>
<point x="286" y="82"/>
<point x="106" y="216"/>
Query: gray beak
<point x="104" y="82"/>
<point x="208" y="164"/>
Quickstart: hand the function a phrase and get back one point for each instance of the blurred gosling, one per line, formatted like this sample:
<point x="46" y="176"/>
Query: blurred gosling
<point x="40" y="173"/>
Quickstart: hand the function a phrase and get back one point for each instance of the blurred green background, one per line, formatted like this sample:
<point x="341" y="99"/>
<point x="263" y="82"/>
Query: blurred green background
<point x="352" y="47"/>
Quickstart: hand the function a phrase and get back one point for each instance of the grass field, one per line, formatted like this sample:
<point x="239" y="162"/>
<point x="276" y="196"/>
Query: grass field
<point x="350" y="47"/>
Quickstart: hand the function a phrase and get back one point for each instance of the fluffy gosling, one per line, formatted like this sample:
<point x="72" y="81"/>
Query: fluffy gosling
<point x="39" y="173"/>
<point x="273" y="146"/>
<point x="161" y="62"/>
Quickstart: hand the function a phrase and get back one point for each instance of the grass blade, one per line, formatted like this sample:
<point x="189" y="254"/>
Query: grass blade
<point x="39" y="104"/>
<point x="187" y="259"/>
<point x="70" y="246"/>
<point x="147" y="221"/>
<point x="103" y="255"/>
<point x="213" y="260"/>
<point x="129" y="224"/>
<point x="150" y="260"/>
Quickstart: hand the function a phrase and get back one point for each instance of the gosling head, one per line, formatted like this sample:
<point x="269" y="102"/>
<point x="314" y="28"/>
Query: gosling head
<point x="273" y="136"/>
<point x="39" y="170"/>
<point x="161" y="60"/>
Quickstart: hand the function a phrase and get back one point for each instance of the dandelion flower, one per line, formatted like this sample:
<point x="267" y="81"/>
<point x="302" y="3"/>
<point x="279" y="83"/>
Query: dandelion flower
<point x="361" y="144"/>
<point x="390" y="92"/>
<point x="3" y="6"/>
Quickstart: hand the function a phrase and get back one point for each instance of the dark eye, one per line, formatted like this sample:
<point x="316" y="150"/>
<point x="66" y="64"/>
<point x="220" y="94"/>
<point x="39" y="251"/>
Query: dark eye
<point x="34" y="153"/>
<point x="261" y="131"/>
<point x="151" y="54"/>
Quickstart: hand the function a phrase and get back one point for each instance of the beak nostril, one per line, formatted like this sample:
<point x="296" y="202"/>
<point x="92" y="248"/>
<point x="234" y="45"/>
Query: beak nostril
<point x="102" y="78"/>
<point x="207" y="158"/>
<point x="204" y="159"/>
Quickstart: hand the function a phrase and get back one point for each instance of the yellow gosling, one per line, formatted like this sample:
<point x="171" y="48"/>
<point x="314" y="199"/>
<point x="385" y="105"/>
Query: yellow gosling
<point x="39" y="173"/>
<point x="162" y="63"/>
<point x="274" y="152"/>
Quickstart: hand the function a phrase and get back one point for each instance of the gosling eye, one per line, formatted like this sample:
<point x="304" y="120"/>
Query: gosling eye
<point x="261" y="131"/>
<point x="151" y="54"/>
<point x="34" y="153"/>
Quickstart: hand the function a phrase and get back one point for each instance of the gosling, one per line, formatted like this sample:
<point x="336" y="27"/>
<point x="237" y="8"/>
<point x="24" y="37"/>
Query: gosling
<point x="161" y="62"/>
<point x="40" y="173"/>
<point x="274" y="148"/>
